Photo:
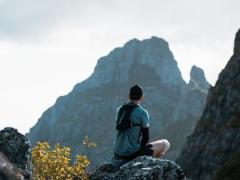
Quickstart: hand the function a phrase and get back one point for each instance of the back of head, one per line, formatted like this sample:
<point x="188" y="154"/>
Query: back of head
<point x="136" y="92"/>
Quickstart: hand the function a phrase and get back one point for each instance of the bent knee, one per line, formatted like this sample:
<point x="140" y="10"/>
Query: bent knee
<point x="166" y="145"/>
<point x="160" y="147"/>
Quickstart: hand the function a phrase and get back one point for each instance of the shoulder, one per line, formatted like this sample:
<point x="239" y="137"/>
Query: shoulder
<point x="143" y="111"/>
<point x="119" y="107"/>
<point x="144" y="117"/>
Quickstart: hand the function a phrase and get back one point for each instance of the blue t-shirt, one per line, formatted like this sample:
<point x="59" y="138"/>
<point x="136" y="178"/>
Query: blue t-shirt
<point x="128" y="142"/>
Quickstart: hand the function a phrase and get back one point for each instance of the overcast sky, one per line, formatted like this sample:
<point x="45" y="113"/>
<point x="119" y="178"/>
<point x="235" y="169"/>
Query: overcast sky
<point x="47" y="46"/>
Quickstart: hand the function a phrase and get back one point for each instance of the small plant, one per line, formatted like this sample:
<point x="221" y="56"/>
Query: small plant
<point x="89" y="144"/>
<point x="54" y="163"/>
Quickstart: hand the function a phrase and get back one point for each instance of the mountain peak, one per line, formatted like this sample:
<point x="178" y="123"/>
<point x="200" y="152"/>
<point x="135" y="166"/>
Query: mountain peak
<point x="156" y="41"/>
<point x="197" y="73"/>
<point x="237" y="43"/>
<point x="198" y="78"/>
<point x="155" y="38"/>
<point x="153" y="41"/>
<point x="132" y="42"/>
<point x="134" y="58"/>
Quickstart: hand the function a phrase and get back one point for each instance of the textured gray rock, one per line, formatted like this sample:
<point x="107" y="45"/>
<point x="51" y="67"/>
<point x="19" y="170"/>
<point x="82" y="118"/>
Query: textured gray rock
<point x="143" y="167"/>
<point x="89" y="109"/>
<point x="17" y="149"/>
<point x="212" y="151"/>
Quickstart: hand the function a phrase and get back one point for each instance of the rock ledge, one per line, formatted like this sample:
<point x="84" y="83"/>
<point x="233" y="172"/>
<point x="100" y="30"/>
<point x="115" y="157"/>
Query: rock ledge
<point x="143" y="167"/>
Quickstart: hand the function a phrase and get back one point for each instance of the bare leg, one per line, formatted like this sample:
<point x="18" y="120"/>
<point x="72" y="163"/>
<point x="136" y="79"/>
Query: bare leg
<point x="160" y="147"/>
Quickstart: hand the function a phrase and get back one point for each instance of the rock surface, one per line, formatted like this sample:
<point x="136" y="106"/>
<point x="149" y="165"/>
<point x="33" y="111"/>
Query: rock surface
<point x="17" y="149"/>
<point x="212" y="151"/>
<point x="89" y="109"/>
<point x="140" y="168"/>
<point x="8" y="171"/>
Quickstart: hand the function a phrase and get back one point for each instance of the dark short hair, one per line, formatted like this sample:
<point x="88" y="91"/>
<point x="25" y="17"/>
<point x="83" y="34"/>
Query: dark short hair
<point x="136" y="92"/>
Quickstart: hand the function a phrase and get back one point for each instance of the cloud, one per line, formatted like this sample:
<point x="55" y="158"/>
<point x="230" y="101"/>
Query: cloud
<point x="23" y="19"/>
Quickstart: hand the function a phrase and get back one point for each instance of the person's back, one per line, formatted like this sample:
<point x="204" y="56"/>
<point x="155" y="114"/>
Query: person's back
<point x="133" y="141"/>
<point x="128" y="142"/>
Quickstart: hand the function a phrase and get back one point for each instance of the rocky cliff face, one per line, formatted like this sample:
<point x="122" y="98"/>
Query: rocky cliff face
<point x="212" y="151"/>
<point x="89" y="109"/>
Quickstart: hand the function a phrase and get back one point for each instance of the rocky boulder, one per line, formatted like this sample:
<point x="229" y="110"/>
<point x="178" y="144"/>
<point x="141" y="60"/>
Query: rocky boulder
<point x="17" y="150"/>
<point x="8" y="171"/>
<point x="142" y="167"/>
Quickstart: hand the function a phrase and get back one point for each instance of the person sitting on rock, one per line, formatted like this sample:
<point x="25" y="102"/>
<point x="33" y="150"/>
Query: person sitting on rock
<point x="132" y="125"/>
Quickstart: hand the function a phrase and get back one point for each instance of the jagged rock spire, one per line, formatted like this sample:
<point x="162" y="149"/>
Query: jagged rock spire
<point x="198" y="79"/>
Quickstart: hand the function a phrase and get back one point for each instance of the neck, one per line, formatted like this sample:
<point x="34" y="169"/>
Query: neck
<point x="135" y="101"/>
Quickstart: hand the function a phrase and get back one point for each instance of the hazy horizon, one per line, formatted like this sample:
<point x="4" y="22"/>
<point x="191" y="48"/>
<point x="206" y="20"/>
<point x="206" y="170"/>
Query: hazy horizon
<point x="46" y="47"/>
